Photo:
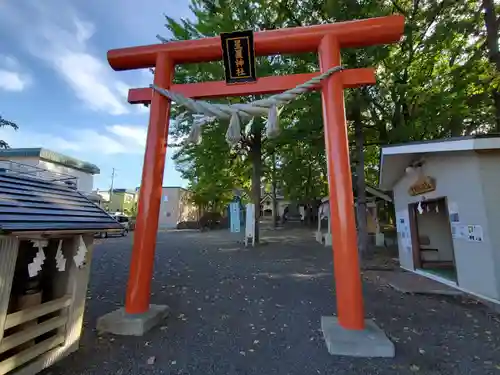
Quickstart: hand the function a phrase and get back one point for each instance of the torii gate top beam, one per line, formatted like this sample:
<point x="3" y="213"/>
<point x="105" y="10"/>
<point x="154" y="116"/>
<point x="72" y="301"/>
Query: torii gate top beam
<point x="359" y="33"/>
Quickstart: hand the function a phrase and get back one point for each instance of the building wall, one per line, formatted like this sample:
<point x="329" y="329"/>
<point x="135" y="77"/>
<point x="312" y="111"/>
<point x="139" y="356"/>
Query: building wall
<point x="176" y="207"/>
<point x="489" y="164"/>
<point x="103" y="193"/>
<point x="85" y="181"/>
<point x="170" y="207"/>
<point x="267" y="204"/>
<point x="122" y="202"/>
<point x="458" y="177"/>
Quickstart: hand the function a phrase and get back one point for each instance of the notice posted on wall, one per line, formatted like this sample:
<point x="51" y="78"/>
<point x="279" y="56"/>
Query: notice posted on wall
<point x="459" y="231"/>
<point x="403" y="229"/>
<point x="475" y="233"/>
<point x="453" y="212"/>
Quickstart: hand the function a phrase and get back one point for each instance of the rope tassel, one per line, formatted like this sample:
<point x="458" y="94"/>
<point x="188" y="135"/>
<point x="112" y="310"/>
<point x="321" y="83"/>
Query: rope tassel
<point x="195" y="133"/>
<point x="238" y="112"/>
<point x="272" y="126"/>
<point x="233" y="134"/>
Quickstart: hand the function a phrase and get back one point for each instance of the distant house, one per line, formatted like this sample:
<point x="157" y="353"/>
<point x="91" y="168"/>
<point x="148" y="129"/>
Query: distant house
<point x="81" y="172"/>
<point x="120" y="200"/>
<point x="102" y="198"/>
<point x="267" y="207"/>
<point x="176" y="207"/>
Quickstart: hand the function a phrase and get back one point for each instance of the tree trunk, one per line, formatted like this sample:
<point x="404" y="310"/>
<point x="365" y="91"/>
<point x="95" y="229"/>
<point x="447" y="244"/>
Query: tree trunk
<point x="360" y="184"/>
<point x="256" y="157"/>
<point x="490" y="19"/>
<point x="275" y="200"/>
<point x="307" y="206"/>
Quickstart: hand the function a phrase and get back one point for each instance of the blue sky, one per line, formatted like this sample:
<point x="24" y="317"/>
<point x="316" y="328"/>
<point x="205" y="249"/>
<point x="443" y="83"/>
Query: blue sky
<point x="55" y="82"/>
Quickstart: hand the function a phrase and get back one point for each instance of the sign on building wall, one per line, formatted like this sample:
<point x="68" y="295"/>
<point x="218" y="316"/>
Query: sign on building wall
<point x="239" y="56"/>
<point x="472" y="233"/>
<point x="403" y="230"/>
<point x="424" y="184"/>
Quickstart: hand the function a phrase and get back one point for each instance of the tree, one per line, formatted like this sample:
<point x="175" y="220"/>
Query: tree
<point x="438" y="82"/>
<point x="6" y="123"/>
<point x="212" y="19"/>
<point x="492" y="35"/>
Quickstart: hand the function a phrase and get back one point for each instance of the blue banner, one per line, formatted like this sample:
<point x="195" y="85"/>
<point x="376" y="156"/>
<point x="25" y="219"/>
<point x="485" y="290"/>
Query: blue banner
<point x="234" y="218"/>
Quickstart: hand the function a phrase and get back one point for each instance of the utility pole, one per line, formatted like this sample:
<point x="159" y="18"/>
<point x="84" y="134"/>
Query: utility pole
<point x="113" y="173"/>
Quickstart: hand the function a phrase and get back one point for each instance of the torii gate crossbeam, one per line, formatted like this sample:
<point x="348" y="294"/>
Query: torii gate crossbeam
<point x="327" y="40"/>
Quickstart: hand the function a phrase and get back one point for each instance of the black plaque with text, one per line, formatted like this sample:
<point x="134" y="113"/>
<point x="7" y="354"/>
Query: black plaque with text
<point x="239" y="56"/>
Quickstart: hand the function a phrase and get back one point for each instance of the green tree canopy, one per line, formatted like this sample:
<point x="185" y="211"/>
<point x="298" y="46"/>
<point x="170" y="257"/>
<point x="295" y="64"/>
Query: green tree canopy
<point x="439" y="81"/>
<point x="6" y="123"/>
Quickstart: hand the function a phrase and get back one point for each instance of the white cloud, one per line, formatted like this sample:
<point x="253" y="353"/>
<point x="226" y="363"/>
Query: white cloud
<point x="12" y="77"/>
<point x="12" y="81"/>
<point x="127" y="132"/>
<point x="58" y="36"/>
<point x="141" y="108"/>
<point x="87" y="77"/>
<point x="112" y="140"/>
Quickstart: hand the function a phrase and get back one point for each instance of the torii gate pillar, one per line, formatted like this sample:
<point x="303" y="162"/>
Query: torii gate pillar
<point x="343" y="226"/>
<point x="349" y="334"/>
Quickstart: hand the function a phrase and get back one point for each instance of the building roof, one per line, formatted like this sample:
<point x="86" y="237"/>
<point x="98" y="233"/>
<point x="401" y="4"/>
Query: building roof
<point x="371" y="192"/>
<point x="31" y="204"/>
<point x="130" y="191"/>
<point x="270" y="196"/>
<point x="51" y="156"/>
<point x="394" y="159"/>
<point x="170" y="187"/>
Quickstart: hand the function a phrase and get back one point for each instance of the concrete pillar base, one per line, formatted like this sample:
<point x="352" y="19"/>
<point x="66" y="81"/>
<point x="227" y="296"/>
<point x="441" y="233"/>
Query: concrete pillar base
<point x="319" y="237"/>
<point x="328" y="239"/>
<point x="119" y="322"/>
<point x="379" y="239"/>
<point x="370" y="342"/>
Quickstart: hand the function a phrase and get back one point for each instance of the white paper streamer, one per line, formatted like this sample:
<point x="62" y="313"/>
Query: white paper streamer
<point x="36" y="266"/>
<point x="81" y="253"/>
<point x="60" y="259"/>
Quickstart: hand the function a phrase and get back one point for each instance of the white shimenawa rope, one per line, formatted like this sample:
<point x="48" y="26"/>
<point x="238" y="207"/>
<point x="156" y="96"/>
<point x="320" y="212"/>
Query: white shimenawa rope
<point x="205" y="112"/>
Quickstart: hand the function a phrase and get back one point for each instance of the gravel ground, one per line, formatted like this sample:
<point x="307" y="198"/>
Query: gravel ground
<point x="239" y="311"/>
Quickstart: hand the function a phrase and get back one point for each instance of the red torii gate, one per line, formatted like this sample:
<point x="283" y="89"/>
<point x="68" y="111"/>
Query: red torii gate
<point x="327" y="40"/>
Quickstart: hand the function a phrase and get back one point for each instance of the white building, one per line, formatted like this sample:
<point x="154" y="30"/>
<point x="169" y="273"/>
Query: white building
<point x="267" y="206"/>
<point x="446" y="197"/>
<point x="57" y="164"/>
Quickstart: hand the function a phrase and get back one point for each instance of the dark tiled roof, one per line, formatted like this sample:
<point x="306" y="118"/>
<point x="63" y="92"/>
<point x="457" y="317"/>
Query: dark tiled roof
<point x="51" y="156"/>
<point x="29" y="204"/>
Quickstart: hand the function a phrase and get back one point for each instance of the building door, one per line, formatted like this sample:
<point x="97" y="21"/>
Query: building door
<point x="432" y="240"/>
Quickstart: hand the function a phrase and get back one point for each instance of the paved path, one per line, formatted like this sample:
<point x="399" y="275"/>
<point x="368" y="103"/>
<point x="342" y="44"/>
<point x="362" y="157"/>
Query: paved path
<point x="237" y="311"/>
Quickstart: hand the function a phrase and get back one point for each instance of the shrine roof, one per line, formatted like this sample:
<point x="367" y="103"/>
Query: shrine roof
<point x="371" y="192"/>
<point x="35" y="205"/>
